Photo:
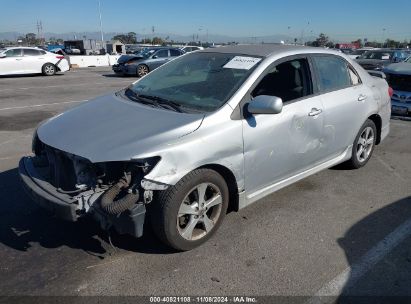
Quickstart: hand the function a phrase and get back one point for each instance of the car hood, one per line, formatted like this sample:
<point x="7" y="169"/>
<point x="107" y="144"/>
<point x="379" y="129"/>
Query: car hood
<point x="126" y="58"/>
<point x="111" y="128"/>
<point x="399" y="68"/>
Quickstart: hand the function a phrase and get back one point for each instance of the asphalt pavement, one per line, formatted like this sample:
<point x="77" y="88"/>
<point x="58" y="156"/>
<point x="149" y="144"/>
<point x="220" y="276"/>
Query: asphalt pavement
<point x="338" y="231"/>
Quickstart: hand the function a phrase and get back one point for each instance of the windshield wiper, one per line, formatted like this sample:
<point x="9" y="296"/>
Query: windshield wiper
<point x="162" y="101"/>
<point x="135" y="97"/>
<point x="154" y="101"/>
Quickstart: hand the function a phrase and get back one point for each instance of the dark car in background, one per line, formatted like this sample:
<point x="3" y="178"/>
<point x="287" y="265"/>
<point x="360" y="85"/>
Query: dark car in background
<point x="399" y="78"/>
<point x="145" y="61"/>
<point x="379" y="59"/>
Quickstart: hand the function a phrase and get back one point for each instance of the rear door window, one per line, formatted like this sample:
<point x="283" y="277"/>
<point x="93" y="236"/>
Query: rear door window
<point x="332" y="73"/>
<point x="31" y="52"/>
<point x="162" y="54"/>
<point x="175" y="53"/>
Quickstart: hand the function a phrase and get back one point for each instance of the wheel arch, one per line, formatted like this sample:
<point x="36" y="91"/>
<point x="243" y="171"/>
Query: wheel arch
<point x="42" y="67"/>
<point x="229" y="177"/>
<point x="55" y="66"/>
<point x="378" y="124"/>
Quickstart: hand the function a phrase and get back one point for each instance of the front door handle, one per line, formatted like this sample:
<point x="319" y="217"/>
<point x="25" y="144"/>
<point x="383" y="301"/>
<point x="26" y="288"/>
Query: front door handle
<point x="315" y="112"/>
<point x="362" y="97"/>
<point x="18" y="59"/>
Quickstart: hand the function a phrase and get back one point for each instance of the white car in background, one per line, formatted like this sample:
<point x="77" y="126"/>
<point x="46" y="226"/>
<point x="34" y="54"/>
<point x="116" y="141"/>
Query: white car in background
<point x="28" y="60"/>
<point x="189" y="48"/>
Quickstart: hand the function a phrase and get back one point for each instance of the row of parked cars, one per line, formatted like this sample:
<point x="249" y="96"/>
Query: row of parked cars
<point x="142" y="62"/>
<point x="395" y="66"/>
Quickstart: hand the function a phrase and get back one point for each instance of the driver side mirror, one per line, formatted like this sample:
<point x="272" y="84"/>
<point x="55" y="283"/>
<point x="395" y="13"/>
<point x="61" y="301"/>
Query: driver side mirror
<point x="154" y="57"/>
<point x="265" y="104"/>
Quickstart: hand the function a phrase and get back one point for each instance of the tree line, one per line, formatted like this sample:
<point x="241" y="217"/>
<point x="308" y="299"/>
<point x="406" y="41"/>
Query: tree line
<point x="324" y="41"/>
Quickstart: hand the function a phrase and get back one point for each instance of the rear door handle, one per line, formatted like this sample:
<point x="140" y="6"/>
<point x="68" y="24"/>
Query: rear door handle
<point x="362" y="97"/>
<point x="315" y="112"/>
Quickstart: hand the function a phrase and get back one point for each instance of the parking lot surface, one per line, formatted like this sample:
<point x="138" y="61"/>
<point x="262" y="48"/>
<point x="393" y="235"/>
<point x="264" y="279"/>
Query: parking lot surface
<point x="338" y="231"/>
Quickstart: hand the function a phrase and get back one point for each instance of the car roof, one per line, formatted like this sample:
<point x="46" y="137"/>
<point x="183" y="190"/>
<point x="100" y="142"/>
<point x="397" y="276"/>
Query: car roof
<point x="381" y="51"/>
<point x="23" y="47"/>
<point x="263" y="50"/>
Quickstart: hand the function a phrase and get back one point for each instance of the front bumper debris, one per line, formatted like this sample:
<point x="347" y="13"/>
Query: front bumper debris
<point x="45" y="194"/>
<point x="66" y="207"/>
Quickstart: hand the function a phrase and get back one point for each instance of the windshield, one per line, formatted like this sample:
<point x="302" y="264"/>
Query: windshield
<point x="145" y="53"/>
<point x="377" y="55"/>
<point x="198" y="81"/>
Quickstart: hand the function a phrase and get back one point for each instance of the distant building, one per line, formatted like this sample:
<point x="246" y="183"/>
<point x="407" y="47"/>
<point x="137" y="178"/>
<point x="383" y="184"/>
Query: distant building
<point x="355" y="45"/>
<point x="116" y="47"/>
<point x="83" y="47"/>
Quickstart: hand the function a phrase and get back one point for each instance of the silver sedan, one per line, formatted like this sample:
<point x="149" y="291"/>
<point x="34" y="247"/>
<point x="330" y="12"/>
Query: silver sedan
<point x="210" y="131"/>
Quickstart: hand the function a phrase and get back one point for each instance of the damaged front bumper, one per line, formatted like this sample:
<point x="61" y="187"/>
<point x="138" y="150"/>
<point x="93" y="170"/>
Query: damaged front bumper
<point x="69" y="207"/>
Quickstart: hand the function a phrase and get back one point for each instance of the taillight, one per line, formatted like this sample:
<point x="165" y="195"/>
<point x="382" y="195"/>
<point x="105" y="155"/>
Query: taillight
<point x="390" y="91"/>
<point x="60" y="57"/>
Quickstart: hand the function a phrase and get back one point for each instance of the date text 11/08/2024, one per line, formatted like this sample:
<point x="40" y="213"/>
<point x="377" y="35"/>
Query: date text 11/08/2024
<point x="204" y="299"/>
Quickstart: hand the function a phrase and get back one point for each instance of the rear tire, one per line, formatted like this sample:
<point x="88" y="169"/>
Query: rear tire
<point x="49" y="69"/>
<point x="186" y="215"/>
<point x="363" y="146"/>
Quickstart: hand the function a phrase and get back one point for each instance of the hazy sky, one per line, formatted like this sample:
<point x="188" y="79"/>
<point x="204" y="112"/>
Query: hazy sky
<point x="342" y="20"/>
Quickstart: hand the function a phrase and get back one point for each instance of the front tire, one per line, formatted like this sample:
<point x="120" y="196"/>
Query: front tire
<point x="49" y="69"/>
<point x="142" y="70"/>
<point x="186" y="215"/>
<point x="364" y="145"/>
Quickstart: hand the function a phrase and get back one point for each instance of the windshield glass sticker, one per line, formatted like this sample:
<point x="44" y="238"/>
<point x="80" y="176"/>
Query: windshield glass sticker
<point x="242" y="63"/>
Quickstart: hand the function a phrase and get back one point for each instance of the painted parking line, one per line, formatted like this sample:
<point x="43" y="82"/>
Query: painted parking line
<point x="67" y="86"/>
<point x="43" y="105"/>
<point x="13" y="157"/>
<point x="14" y="139"/>
<point x="350" y="276"/>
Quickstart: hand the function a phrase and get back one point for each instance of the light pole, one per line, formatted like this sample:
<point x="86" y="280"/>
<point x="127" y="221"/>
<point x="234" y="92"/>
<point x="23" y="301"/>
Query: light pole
<point x="199" y="33"/>
<point x="383" y="36"/>
<point x="101" y="24"/>
<point x="288" y="34"/>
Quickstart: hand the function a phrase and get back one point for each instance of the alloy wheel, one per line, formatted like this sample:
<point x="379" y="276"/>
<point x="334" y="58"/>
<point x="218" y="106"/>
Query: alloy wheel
<point x="365" y="144"/>
<point x="49" y="69"/>
<point x="142" y="70"/>
<point x="199" y="211"/>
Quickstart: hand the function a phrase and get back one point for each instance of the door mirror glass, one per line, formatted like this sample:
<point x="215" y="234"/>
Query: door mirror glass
<point x="264" y="104"/>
